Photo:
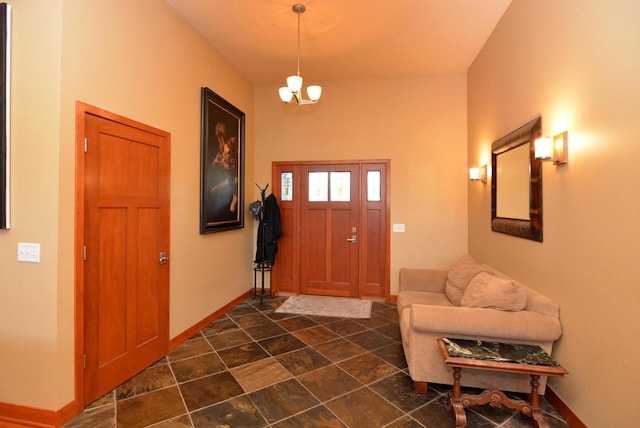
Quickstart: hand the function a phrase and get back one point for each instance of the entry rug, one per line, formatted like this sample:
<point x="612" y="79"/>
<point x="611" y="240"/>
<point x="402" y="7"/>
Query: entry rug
<point x="326" y="306"/>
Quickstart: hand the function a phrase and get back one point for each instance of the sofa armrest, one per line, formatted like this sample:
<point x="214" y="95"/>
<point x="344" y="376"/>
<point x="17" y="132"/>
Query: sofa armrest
<point x="489" y="323"/>
<point x="432" y="280"/>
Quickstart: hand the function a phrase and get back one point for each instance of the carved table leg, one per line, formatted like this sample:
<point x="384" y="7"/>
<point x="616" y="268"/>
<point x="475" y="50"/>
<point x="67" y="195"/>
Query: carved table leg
<point x="457" y="407"/>
<point x="534" y="400"/>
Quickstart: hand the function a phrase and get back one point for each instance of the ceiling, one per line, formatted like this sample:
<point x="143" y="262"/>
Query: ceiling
<point x="344" y="39"/>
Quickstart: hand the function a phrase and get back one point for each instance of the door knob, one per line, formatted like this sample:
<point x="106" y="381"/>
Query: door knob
<point x="163" y="258"/>
<point x="353" y="239"/>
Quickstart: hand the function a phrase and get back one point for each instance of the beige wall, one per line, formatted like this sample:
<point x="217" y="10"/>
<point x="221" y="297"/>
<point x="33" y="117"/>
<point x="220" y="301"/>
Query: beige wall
<point x="417" y="123"/>
<point x="140" y="60"/>
<point x="577" y="64"/>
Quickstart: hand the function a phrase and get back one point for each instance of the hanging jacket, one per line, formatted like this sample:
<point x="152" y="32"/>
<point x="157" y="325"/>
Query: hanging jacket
<point x="269" y="231"/>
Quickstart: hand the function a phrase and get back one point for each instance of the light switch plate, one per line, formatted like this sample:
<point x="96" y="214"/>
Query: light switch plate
<point x="398" y="227"/>
<point x="28" y="252"/>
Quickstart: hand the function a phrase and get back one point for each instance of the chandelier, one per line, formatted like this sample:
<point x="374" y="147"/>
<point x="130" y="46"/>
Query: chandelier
<point x="293" y="90"/>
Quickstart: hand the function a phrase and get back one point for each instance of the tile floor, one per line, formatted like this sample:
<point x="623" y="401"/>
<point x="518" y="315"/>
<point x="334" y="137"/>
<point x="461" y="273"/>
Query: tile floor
<point x="255" y="368"/>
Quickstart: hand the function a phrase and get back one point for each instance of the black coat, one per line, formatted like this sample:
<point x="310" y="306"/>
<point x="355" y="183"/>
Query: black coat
<point x="269" y="231"/>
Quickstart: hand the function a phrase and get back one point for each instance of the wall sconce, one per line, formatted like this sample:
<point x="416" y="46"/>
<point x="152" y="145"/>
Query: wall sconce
<point x="478" y="173"/>
<point x="553" y="149"/>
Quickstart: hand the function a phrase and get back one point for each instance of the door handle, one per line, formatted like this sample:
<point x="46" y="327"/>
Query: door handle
<point x="353" y="239"/>
<point x="163" y="258"/>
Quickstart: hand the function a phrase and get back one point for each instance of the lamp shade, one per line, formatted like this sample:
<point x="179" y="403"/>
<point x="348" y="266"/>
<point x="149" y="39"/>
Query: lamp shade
<point x="314" y="92"/>
<point x="285" y="94"/>
<point x="294" y="83"/>
<point x="544" y="148"/>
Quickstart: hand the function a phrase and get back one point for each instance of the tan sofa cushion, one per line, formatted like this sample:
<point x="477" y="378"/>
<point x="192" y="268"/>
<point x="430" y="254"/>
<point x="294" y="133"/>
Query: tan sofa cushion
<point x="458" y="277"/>
<point x="486" y="290"/>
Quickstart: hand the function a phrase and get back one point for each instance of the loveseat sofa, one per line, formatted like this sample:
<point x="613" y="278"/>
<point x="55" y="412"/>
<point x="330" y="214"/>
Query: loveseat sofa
<point x="470" y="301"/>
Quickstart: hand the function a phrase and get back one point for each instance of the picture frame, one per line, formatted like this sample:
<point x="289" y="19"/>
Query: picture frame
<point x="222" y="164"/>
<point x="5" y="117"/>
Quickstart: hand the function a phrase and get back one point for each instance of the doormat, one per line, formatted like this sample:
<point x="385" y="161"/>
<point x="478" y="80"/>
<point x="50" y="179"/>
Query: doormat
<point x="342" y="307"/>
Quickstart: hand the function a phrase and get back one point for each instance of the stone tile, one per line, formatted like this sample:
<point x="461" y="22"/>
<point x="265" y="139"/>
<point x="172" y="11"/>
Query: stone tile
<point x="265" y="331"/>
<point x="237" y="412"/>
<point x="282" y="400"/>
<point x="99" y="417"/>
<point x="371" y="340"/>
<point x="268" y="304"/>
<point x="302" y="361"/>
<point x="151" y="379"/>
<point x="252" y="320"/>
<point x="329" y="382"/>
<point x="339" y="349"/>
<point x="398" y="389"/>
<point x="108" y="398"/>
<point x="374" y="322"/>
<point x="209" y="390"/>
<point x="392" y="354"/>
<point x="228" y="339"/>
<point x="405" y="422"/>
<point x="390" y="330"/>
<point x="243" y="354"/>
<point x="318" y="417"/>
<point x="282" y="344"/>
<point x="221" y="325"/>
<point x="241" y="310"/>
<point x="190" y="348"/>
<point x="315" y="335"/>
<point x="262" y="373"/>
<point x="345" y="327"/>
<point x="193" y="368"/>
<point x="297" y="323"/>
<point x="364" y="408"/>
<point x="179" y="422"/>
<point x="148" y="409"/>
<point x="367" y="368"/>
<point x="390" y="313"/>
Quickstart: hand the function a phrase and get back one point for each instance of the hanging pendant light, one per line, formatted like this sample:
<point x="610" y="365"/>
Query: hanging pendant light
<point x="293" y="90"/>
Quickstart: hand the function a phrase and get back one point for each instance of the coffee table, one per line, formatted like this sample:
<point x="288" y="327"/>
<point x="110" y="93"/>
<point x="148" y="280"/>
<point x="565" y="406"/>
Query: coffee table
<point x="500" y="357"/>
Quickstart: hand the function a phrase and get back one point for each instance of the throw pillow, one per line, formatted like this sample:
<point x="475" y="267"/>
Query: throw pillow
<point x="459" y="276"/>
<point x="486" y="290"/>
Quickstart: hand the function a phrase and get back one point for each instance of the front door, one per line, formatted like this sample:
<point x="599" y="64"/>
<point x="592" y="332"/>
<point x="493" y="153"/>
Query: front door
<point x="125" y="275"/>
<point x="329" y="224"/>
<point x="335" y="223"/>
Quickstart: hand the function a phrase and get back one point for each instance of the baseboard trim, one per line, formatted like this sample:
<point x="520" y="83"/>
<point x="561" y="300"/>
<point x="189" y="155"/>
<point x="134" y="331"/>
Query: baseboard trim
<point x="14" y="416"/>
<point x="562" y="408"/>
<point x="179" y="339"/>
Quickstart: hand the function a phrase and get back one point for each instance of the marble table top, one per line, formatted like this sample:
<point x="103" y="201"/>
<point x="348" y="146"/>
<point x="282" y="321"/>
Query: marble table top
<point x="499" y="352"/>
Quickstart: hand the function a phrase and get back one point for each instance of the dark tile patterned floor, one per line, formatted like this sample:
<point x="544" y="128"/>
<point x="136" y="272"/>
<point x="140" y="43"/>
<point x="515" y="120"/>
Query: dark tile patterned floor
<point x="256" y="368"/>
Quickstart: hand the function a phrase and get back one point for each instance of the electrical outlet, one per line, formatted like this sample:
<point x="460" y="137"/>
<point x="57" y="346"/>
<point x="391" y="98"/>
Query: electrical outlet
<point x="28" y="252"/>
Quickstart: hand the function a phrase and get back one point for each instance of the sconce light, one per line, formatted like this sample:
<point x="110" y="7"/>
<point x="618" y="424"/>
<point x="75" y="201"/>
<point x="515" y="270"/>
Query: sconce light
<point x="553" y="149"/>
<point x="478" y="173"/>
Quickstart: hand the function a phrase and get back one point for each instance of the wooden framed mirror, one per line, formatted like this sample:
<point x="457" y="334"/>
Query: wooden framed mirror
<point x="516" y="183"/>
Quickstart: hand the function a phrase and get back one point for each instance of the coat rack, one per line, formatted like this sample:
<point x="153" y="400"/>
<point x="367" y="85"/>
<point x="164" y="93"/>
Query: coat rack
<point x="261" y="264"/>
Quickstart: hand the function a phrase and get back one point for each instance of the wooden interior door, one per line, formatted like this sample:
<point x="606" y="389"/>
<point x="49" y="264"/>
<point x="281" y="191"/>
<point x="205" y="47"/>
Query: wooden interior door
<point x="329" y="220"/>
<point x="126" y="228"/>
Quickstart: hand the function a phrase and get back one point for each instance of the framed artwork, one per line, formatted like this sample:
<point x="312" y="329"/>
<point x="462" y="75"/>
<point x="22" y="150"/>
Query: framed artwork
<point x="5" y="146"/>
<point x="222" y="165"/>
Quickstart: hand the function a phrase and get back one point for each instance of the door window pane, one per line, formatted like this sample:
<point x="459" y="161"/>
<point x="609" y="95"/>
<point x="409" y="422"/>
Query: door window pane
<point x="341" y="186"/>
<point x="318" y="186"/>
<point x="373" y="185"/>
<point x="286" y="189"/>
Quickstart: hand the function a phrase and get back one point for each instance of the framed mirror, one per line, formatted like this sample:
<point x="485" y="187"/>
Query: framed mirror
<point x="516" y="183"/>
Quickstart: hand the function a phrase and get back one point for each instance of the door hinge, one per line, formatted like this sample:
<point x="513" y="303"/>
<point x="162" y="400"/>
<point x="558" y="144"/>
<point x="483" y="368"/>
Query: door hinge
<point x="85" y="144"/>
<point x="84" y="361"/>
<point x="84" y="253"/>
